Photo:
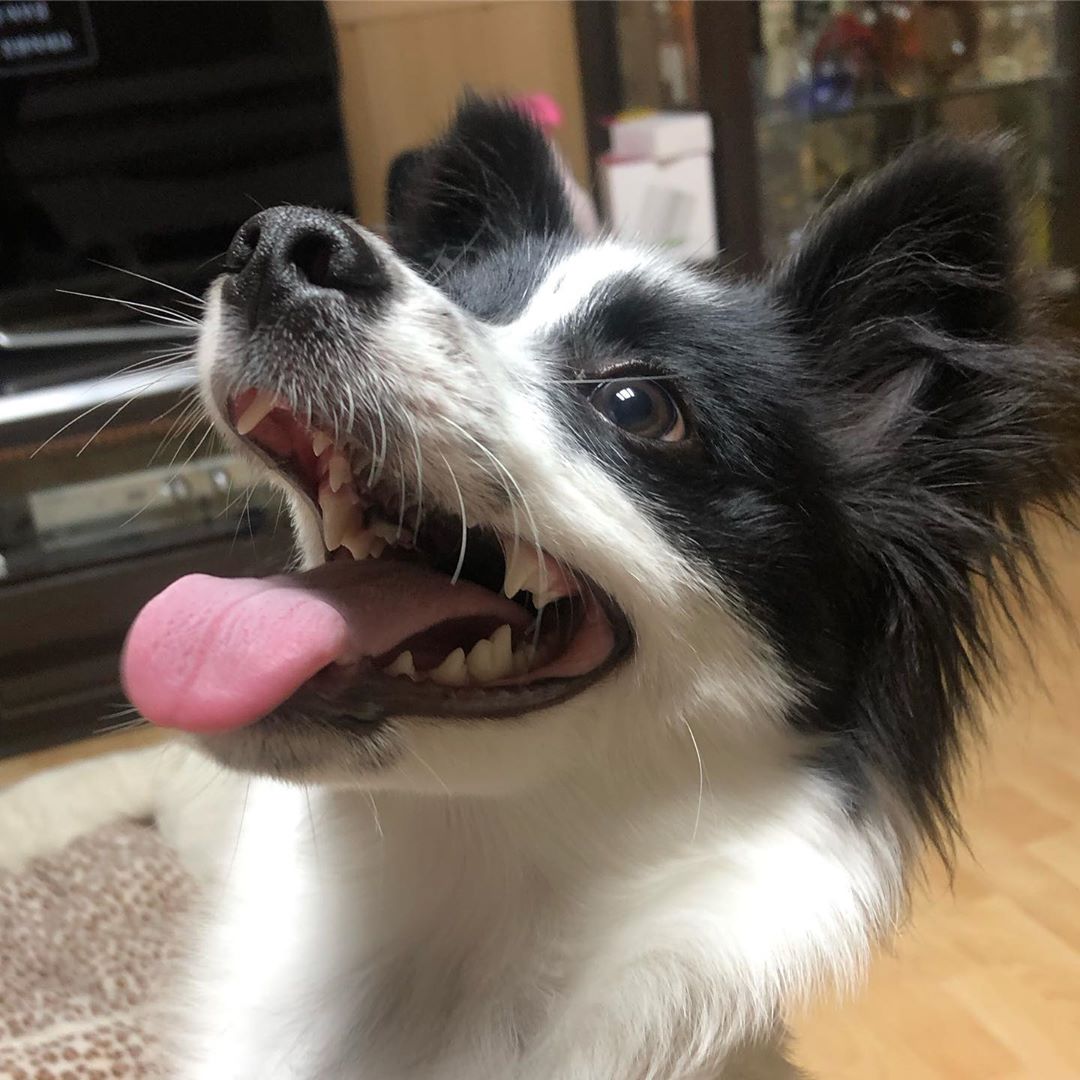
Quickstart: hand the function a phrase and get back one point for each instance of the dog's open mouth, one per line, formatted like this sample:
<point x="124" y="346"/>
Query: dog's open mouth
<point x="415" y="609"/>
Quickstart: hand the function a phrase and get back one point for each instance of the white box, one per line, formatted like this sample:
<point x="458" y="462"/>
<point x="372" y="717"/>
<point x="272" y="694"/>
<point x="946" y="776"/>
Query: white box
<point x="662" y="136"/>
<point x="657" y="183"/>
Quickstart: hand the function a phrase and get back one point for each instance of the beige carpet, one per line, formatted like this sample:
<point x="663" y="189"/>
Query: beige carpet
<point x="87" y="936"/>
<point x="100" y="868"/>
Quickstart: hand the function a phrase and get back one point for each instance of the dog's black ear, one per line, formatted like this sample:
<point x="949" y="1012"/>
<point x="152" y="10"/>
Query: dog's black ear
<point x="930" y="237"/>
<point x="908" y="301"/>
<point x="946" y="421"/>
<point x="490" y="180"/>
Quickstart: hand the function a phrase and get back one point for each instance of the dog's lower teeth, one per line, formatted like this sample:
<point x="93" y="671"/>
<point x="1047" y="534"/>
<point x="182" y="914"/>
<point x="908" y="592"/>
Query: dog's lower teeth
<point x="489" y="659"/>
<point x="481" y="663"/>
<point x="452" y="671"/>
<point x="493" y="657"/>
<point x="403" y="665"/>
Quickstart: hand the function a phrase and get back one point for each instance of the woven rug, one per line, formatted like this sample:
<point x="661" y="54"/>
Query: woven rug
<point x="97" y="881"/>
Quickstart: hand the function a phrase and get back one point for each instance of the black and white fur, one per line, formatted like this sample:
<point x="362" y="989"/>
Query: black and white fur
<point x="637" y="884"/>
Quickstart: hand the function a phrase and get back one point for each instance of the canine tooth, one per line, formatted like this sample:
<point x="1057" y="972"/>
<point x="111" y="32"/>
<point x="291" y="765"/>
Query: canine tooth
<point x="521" y="569"/>
<point x="319" y="442"/>
<point x="339" y="510"/>
<point x="452" y="671"/>
<point x="378" y="546"/>
<point x="261" y="405"/>
<point x="403" y="665"/>
<point x="340" y="473"/>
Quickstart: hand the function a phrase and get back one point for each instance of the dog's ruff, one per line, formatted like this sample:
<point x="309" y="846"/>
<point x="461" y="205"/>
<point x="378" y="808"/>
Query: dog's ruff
<point x="638" y="882"/>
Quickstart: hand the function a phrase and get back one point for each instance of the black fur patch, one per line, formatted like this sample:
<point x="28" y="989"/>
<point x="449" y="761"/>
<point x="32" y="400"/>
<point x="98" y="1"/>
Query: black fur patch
<point x="482" y="209"/>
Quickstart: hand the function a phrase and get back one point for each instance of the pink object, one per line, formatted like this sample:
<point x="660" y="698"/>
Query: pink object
<point x="541" y="108"/>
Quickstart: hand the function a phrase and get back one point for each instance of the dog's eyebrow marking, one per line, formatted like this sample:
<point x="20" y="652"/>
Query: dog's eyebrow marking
<point x="571" y="282"/>
<point x="574" y="282"/>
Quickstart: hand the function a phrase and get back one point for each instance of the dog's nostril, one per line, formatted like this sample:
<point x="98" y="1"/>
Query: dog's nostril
<point x="312" y="256"/>
<point x="242" y="247"/>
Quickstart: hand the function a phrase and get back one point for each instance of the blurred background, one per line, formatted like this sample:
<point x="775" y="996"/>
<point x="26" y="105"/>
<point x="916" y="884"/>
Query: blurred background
<point x="136" y="137"/>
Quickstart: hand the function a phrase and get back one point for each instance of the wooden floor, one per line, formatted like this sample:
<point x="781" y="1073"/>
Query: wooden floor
<point x="985" y="982"/>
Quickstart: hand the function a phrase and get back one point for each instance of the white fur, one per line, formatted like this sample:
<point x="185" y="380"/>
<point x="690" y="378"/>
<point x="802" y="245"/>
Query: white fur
<point x="633" y="885"/>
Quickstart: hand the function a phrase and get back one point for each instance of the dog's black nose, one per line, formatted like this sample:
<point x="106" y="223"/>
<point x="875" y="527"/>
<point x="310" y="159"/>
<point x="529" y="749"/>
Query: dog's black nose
<point x="289" y="254"/>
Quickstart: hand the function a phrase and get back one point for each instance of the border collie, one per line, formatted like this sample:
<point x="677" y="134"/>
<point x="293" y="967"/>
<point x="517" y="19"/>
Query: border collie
<point x="636" y="623"/>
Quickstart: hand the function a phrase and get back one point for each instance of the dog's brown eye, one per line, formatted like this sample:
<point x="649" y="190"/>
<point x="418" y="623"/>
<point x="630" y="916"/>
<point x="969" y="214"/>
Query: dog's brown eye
<point x="640" y="407"/>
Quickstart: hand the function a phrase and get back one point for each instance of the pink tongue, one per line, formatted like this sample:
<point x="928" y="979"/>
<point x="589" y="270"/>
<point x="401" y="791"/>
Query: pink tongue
<point x="209" y="654"/>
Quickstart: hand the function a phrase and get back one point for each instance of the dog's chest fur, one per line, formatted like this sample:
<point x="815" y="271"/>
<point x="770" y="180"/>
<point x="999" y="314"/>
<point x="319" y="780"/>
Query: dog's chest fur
<point x="376" y="937"/>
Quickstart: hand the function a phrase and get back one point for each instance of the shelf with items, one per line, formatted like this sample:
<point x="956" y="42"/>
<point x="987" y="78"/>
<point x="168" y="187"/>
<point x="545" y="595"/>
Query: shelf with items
<point x="777" y="113"/>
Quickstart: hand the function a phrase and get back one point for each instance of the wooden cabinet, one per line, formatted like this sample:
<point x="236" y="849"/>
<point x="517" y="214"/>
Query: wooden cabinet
<point x="404" y="64"/>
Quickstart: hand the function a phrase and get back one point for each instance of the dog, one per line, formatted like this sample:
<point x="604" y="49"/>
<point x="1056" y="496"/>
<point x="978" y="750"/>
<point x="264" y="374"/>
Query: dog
<point x="637" y="623"/>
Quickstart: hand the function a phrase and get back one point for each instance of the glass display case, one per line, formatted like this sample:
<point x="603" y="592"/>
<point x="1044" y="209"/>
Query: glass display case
<point x="807" y="96"/>
<point x="841" y="86"/>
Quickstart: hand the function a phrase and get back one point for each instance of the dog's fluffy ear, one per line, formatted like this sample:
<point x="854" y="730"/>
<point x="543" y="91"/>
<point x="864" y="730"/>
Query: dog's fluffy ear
<point x="930" y="238"/>
<point x="907" y="298"/>
<point x="490" y="180"/>
<point x="948" y="421"/>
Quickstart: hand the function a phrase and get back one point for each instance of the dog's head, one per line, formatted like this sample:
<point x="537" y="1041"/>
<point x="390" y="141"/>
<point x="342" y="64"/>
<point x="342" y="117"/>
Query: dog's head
<point x="565" y="503"/>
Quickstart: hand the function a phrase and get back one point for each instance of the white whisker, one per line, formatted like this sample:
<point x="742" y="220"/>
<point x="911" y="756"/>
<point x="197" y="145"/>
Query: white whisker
<point x="438" y="778"/>
<point x="161" y="314"/>
<point x="375" y="816"/>
<point x="93" y="408"/>
<point x="701" y="776"/>
<point x="153" y="281"/>
<point x="464" y="523"/>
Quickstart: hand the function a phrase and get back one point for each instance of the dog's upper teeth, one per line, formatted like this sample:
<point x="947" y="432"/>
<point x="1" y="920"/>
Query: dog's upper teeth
<point x="385" y="531"/>
<point x="319" y="443"/>
<point x="359" y="540"/>
<point x="340" y="473"/>
<point x="452" y="671"/>
<point x="526" y="568"/>
<point x="522" y="569"/>
<point x="542" y="597"/>
<point x="261" y="406"/>
<point x="341" y="514"/>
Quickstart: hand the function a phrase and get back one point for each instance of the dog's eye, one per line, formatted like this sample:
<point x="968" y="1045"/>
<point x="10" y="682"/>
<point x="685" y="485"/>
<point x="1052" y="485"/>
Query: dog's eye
<point x="640" y="407"/>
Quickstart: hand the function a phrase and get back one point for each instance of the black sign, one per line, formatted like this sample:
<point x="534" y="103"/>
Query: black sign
<point x="39" y="36"/>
